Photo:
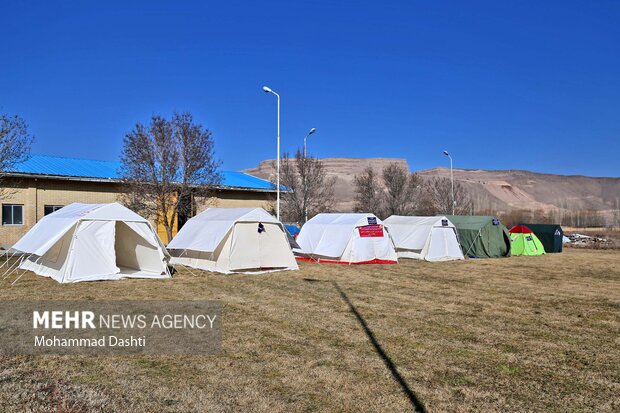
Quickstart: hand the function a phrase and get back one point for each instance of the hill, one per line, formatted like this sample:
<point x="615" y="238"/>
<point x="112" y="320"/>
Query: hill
<point x="498" y="190"/>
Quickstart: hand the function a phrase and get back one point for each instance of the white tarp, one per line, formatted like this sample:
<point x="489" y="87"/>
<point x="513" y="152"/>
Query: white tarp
<point x="424" y="238"/>
<point x="347" y="238"/>
<point x="88" y="242"/>
<point x="233" y="240"/>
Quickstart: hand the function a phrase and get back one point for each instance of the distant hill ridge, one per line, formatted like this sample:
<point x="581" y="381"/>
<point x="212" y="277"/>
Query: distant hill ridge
<point x="499" y="190"/>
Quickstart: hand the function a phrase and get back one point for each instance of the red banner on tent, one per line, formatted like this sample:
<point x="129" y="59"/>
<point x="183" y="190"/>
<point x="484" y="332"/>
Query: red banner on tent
<point x="371" y="231"/>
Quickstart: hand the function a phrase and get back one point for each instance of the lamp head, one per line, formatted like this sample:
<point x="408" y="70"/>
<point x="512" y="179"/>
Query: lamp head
<point x="312" y="131"/>
<point x="267" y="90"/>
<point x="446" y="153"/>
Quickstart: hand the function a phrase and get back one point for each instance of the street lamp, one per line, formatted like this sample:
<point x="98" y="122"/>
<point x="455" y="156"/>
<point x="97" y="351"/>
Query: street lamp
<point x="306" y="137"/>
<point x="305" y="173"/>
<point x="268" y="90"/>
<point x="451" y="180"/>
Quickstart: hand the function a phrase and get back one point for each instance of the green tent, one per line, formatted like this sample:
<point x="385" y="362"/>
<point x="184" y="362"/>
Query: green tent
<point x="550" y="235"/>
<point x="482" y="236"/>
<point x="525" y="242"/>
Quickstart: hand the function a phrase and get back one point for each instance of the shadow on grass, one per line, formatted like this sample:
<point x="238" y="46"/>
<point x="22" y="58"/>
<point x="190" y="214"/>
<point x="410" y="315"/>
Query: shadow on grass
<point x="416" y="403"/>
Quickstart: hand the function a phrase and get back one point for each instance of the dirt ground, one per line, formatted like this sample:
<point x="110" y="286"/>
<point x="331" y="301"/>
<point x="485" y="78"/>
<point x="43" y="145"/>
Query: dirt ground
<point x="516" y="334"/>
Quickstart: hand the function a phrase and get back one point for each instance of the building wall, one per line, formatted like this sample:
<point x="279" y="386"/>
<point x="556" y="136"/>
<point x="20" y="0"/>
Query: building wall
<point x="34" y="194"/>
<point x="236" y="199"/>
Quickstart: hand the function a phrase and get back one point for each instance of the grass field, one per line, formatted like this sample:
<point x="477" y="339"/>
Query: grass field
<point x="515" y="334"/>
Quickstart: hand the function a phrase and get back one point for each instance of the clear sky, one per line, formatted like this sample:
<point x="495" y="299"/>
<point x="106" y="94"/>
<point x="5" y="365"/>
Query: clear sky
<point x="502" y="85"/>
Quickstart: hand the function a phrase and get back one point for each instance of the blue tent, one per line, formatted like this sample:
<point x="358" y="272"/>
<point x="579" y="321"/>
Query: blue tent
<point x="292" y="229"/>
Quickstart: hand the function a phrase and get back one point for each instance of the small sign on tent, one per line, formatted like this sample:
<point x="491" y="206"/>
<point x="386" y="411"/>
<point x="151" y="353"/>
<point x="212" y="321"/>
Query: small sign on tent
<point x="372" y="220"/>
<point x="371" y="231"/>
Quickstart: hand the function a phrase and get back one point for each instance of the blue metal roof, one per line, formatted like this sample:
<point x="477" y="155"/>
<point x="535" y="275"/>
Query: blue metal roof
<point x="85" y="168"/>
<point x="69" y="167"/>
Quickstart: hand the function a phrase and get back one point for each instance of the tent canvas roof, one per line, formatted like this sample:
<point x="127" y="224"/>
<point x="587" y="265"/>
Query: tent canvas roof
<point x="113" y="211"/>
<point x="520" y="229"/>
<point x="205" y="231"/>
<point x="550" y="228"/>
<point x="471" y="221"/>
<point x="236" y="215"/>
<point x="347" y="219"/>
<point x="412" y="232"/>
<point x="52" y="227"/>
<point x="418" y="221"/>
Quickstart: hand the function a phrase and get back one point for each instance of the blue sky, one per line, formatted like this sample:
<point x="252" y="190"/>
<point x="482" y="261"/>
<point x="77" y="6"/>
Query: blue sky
<point x="502" y="85"/>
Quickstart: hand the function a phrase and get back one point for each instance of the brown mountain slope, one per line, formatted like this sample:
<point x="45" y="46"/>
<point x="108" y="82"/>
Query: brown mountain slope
<point x="501" y="191"/>
<point x="344" y="169"/>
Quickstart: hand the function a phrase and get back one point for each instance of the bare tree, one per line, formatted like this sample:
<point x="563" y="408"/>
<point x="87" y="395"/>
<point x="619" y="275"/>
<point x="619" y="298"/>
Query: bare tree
<point x="402" y="191"/>
<point x="309" y="190"/>
<point x="440" y="189"/>
<point x="395" y="192"/>
<point x="368" y="191"/>
<point x="165" y="164"/>
<point x="426" y="201"/>
<point x="15" y="142"/>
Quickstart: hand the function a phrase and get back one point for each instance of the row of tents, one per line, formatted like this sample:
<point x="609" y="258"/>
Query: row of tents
<point x="86" y="242"/>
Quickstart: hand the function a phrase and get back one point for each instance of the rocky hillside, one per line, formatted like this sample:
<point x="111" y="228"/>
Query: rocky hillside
<point x="501" y="191"/>
<point x="344" y="169"/>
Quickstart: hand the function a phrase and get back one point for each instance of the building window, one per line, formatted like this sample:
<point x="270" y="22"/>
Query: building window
<point x="48" y="209"/>
<point x="12" y="214"/>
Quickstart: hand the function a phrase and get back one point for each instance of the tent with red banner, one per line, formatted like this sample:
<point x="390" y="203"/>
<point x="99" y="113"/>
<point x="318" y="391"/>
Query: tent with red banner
<point x="346" y="238"/>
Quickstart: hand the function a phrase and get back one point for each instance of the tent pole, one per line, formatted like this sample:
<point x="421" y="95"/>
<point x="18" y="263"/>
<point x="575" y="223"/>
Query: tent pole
<point x="9" y="270"/>
<point x="472" y="244"/>
<point x="7" y="258"/>
<point x="16" y="268"/>
<point x="22" y="274"/>
<point x="17" y="279"/>
<point x="187" y="268"/>
<point x="184" y="266"/>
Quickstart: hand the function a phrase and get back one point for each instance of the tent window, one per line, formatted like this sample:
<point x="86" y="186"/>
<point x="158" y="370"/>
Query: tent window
<point x="12" y="214"/>
<point x="48" y="209"/>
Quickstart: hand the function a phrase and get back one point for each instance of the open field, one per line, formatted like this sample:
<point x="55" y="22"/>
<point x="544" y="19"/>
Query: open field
<point x="515" y="334"/>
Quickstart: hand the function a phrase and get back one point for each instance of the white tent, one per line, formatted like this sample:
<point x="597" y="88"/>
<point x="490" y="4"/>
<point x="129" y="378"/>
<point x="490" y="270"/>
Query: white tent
<point x="233" y="240"/>
<point x="88" y="242"/>
<point x="424" y="238"/>
<point x="346" y="238"/>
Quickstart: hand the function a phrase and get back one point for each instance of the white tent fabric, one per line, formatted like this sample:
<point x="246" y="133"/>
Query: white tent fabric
<point x="233" y="240"/>
<point x="424" y="238"/>
<point x="88" y="242"/>
<point x="349" y="238"/>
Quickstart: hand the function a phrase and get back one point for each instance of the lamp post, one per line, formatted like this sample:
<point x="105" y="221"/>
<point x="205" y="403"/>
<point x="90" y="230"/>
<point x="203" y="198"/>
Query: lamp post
<point x="268" y="90"/>
<point x="451" y="180"/>
<point x="305" y="173"/>
<point x="306" y="137"/>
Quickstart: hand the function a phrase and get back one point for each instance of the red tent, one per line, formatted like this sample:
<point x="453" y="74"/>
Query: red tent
<point x="520" y="229"/>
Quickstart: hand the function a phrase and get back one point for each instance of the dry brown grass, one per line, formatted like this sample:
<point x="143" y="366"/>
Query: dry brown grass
<point x="516" y="334"/>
